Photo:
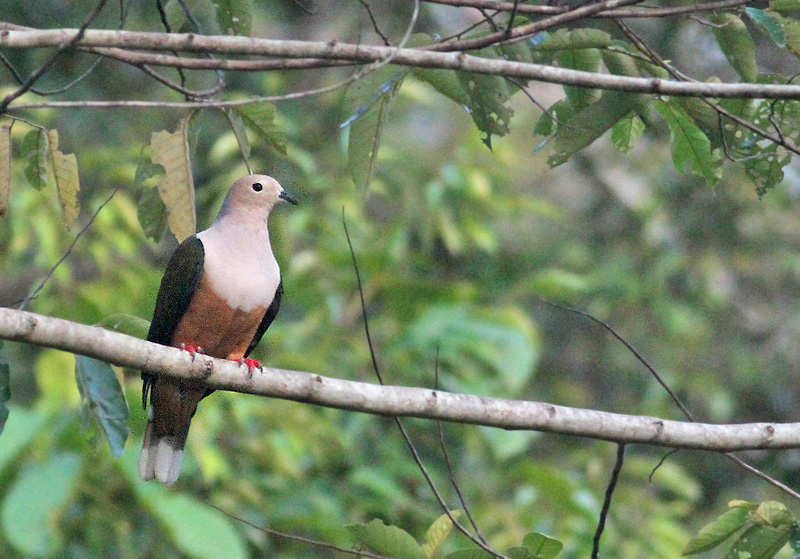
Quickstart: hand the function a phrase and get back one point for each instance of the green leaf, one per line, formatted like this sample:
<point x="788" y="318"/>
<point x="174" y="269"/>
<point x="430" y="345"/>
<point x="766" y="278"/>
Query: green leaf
<point x="785" y="5"/>
<point x="744" y="505"/>
<point x="717" y="531"/>
<point x="736" y="43"/>
<point x="707" y="120"/>
<point x="196" y="529"/>
<point x="773" y="513"/>
<point x="437" y="533"/>
<point x="576" y="39"/>
<point x="791" y="32"/>
<point x="445" y="82"/>
<point x="769" y="23"/>
<point x="386" y="540"/>
<point x="36" y="149"/>
<point x="152" y="214"/>
<point x="691" y="149"/>
<point x="543" y="547"/>
<point x="103" y="400"/>
<point x="794" y="539"/>
<point x="369" y="100"/>
<point x="471" y="553"/>
<point x="150" y="210"/>
<point x="587" y="60"/>
<point x="588" y="125"/>
<point x="488" y="96"/>
<point x="126" y="324"/>
<point x="577" y="50"/>
<point x="559" y="113"/>
<point x="484" y="97"/>
<point x="759" y="542"/>
<point x="5" y="394"/>
<point x="146" y="171"/>
<point x="33" y="503"/>
<point x="736" y="135"/>
<point x="764" y="161"/>
<point x="626" y="133"/>
<point x="261" y="118"/>
<point x="235" y="17"/>
<point x="520" y="552"/>
<point x="20" y="430"/>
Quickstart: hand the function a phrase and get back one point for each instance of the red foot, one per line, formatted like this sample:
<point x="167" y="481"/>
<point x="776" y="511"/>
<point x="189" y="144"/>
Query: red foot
<point x="251" y="363"/>
<point x="191" y="348"/>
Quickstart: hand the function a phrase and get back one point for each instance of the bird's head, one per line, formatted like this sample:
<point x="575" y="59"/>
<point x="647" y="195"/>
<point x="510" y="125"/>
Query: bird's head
<point x="255" y="192"/>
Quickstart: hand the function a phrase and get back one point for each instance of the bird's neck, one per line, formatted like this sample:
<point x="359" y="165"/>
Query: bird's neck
<point x="239" y="264"/>
<point x="239" y="235"/>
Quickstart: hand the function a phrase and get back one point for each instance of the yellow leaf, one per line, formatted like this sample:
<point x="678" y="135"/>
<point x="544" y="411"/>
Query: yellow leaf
<point x="176" y="189"/>
<point x="5" y="167"/>
<point x="65" y="170"/>
<point x="437" y="533"/>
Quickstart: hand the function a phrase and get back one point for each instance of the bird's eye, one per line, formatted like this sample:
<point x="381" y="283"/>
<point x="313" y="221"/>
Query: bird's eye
<point x="258" y="187"/>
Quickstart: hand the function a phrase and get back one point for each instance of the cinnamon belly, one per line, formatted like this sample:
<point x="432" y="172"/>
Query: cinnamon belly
<point x="212" y="324"/>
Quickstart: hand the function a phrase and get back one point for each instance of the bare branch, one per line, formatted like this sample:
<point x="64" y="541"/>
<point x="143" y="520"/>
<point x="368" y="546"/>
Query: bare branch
<point x="643" y="12"/>
<point x="52" y="60"/>
<point x="353" y="53"/>
<point x="127" y="351"/>
<point x="524" y="31"/>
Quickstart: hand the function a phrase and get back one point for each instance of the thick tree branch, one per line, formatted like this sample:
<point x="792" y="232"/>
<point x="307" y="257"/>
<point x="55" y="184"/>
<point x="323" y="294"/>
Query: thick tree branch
<point x="345" y="52"/>
<point x="131" y="352"/>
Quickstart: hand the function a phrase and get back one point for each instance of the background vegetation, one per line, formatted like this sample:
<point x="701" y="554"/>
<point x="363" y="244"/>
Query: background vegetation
<point x="456" y="243"/>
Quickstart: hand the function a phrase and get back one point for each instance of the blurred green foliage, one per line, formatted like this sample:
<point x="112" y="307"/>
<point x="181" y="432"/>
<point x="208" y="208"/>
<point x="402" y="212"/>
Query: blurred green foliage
<point x="455" y="243"/>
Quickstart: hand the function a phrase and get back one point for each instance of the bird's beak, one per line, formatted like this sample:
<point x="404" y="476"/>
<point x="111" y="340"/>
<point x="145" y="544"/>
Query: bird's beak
<point x="288" y="197"/>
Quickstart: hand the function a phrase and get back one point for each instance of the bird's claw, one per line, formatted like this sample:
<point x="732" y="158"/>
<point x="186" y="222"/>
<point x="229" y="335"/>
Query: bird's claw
<point x="191" y="348"/>
<point x="252" y="364"/>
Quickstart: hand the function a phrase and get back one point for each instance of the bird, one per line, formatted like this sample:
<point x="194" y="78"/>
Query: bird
<point x="219" y="293"/>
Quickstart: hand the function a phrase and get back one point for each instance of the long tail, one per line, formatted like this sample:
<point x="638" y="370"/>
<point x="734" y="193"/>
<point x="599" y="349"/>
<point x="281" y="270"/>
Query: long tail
<point x="161" y="457"/>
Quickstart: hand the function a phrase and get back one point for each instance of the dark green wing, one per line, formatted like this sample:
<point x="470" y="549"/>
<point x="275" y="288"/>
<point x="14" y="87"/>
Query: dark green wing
<point x="180" y="280"/>
<point x="272" y="311"/>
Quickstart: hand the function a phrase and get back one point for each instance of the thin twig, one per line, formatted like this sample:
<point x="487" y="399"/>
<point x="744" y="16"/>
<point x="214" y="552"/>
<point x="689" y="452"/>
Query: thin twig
<point x="450" y="472"/>
<point x="162" y="13"/>
<point x="52" y="60"/>
<point x="363" y="304"/>
<point x="511" y="17"/>
<point x="189" y="93"/>
<point x="607" y="501"/>
<point x="661" y="463"/>
<point x="302" y="539"/>
<point x="406" y="437"/>
<point x="630" y="348"/>
<point x="374" y="21"/>
<point x="525" y="31"/>
<point x="755" y="471"/>
<point x="66" y="254"/>
<point x="675" y="399"/>
<point x="190" y="16"/>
